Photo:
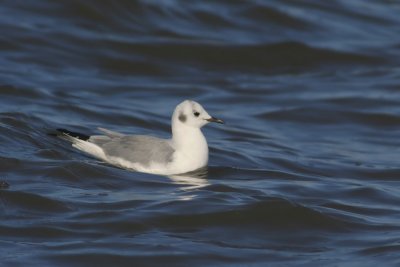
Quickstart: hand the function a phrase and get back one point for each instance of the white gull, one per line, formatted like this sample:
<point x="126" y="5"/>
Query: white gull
<point x="186" y="151"/>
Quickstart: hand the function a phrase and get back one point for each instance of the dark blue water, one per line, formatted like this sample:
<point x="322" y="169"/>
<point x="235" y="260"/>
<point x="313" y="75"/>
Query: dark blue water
<point x="306" y="171"/>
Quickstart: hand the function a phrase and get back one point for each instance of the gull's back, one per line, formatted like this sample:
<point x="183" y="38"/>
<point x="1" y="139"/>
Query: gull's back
<point x="139" y="149"/>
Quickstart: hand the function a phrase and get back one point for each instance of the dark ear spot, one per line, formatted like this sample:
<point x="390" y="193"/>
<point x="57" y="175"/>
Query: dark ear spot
<point x="182" y="117"/>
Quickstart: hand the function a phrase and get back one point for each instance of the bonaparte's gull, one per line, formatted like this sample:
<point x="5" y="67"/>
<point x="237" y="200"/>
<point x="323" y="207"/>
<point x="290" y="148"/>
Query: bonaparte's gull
<point x="187" y="150"/>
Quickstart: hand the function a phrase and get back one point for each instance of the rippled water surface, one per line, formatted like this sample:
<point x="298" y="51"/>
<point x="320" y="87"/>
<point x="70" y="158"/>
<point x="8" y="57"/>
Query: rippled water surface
<point x="304" y="173"/>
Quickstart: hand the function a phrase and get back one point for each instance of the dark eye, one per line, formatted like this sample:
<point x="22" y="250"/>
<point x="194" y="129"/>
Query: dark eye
<point x="196" y="113"/>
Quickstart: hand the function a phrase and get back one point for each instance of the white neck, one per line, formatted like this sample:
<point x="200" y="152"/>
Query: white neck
<point x="190" y="143"/>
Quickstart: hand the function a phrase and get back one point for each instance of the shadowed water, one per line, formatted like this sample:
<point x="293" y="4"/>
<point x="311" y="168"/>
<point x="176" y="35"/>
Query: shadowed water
<point x="305" y="172"/>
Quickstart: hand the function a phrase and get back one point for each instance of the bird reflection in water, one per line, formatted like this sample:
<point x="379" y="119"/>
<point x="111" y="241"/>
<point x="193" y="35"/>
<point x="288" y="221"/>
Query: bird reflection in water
<point x="191" y="180"/>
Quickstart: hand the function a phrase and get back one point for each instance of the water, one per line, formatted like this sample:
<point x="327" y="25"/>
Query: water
<point x="304" y="173"/>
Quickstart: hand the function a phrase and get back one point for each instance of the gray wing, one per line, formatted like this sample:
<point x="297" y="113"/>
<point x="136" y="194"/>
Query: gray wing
<point x="110" y="133"/>
<point x="100" y="140"/>
<point x="138" y="148"/>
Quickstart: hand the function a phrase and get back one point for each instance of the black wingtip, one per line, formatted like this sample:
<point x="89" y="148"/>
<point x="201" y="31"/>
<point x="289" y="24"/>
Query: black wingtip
<point x="80" y="136"/>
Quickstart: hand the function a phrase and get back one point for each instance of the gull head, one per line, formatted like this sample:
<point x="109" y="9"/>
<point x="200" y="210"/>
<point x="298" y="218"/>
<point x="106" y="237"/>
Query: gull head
<point x="192" y="114"/>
